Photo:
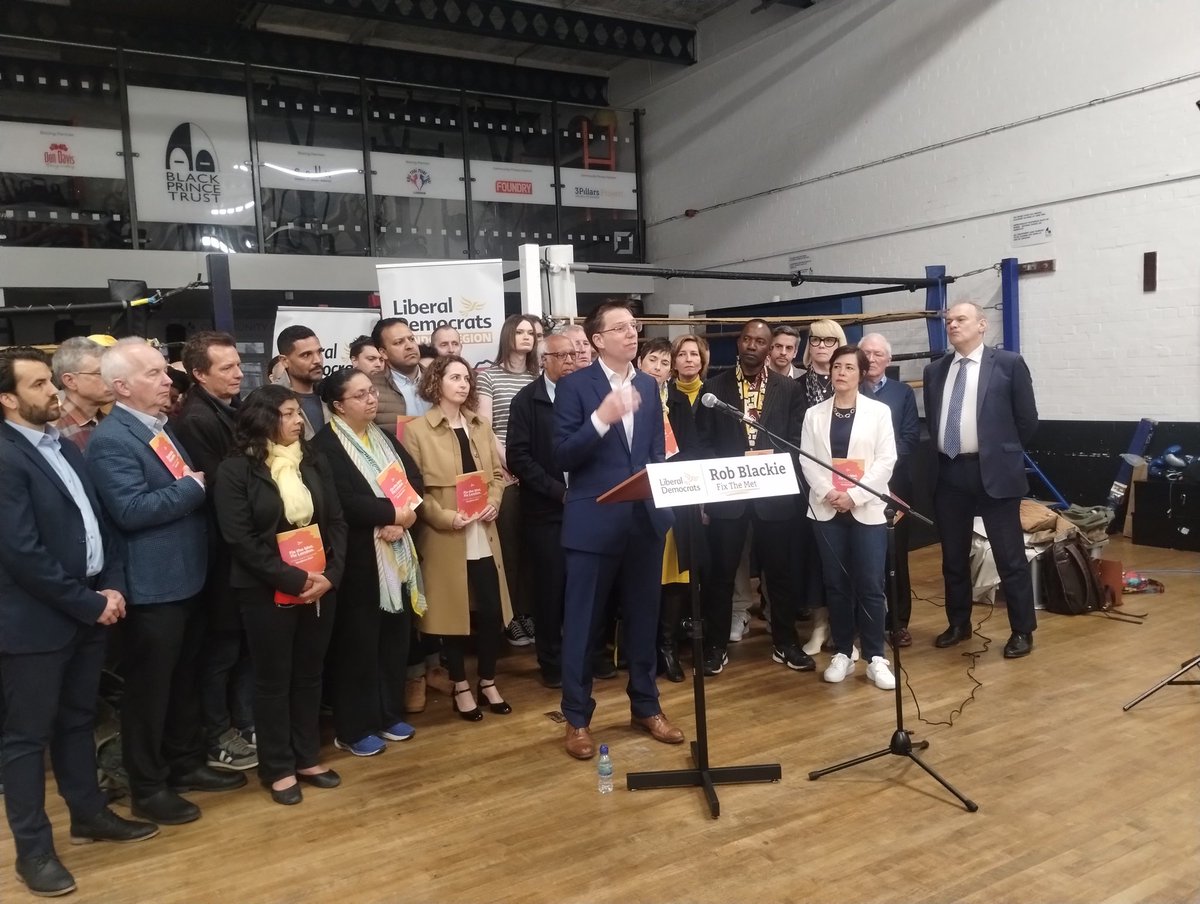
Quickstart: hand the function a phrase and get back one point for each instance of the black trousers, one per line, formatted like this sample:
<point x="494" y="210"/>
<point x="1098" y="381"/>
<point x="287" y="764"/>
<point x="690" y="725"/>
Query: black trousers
<point x="226" y="684"/>
<point x="773" y="545"/>
<point x="958" y="497"/>
<point x="287" y="646"/>
<point x="50" y="701"/>
<point x="807" y="563"/>
<point x="509" y="529"/>
<point x="546" y="564"/>
<point x="484" y="581"/>
<point x="160" y="712"/>
<point x="369" y="656"/>
<point x="900" y="608"/>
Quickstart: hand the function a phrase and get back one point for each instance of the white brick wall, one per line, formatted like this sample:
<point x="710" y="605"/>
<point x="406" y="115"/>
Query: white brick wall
<point x="851" y="83"/>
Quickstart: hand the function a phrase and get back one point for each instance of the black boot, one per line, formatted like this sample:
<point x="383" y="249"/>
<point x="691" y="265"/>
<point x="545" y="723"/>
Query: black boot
<point x="668" y="660"/>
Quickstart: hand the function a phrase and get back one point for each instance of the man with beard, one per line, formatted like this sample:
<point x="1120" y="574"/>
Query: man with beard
<point x="776" y="402"/>
<point x="303" y="355"/>
<point x="61" y="584"/>
<point x="397" y="385"/>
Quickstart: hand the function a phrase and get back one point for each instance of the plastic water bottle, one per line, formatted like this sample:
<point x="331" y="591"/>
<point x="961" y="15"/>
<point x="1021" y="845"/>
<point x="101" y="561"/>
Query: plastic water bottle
<point x="604" y="771"/>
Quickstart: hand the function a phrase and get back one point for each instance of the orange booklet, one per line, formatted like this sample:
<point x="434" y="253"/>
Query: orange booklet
<point x="471" y="494"/>
<point x="395" y="485"/>
<point x="851" y="466"/>
<point x="669" y="435"/>
<point x="169" y="455"/>
<point x="303" y="548"/>
<point x="402" y="421"/>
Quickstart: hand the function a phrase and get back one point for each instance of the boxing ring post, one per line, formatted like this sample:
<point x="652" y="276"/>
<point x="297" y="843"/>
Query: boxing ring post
<point x="935" y="300"/>
<point x="1010" y="305"/>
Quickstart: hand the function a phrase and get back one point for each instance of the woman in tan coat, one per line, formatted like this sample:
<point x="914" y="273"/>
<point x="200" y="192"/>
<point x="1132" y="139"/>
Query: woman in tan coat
<point x="460" y="556"/>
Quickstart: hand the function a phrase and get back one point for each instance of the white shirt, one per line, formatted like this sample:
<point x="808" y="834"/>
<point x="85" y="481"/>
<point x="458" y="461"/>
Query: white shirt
<point x="156" y="425"/>
<point x="414" y="405"/>
<point x="969" y="433"/>
<point x="617" y="381"/>
<point x="47" y="443"/>
<point x="551" y="388"/>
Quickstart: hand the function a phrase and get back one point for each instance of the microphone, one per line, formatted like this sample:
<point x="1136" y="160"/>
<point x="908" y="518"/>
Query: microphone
<point x="708" y="400"/>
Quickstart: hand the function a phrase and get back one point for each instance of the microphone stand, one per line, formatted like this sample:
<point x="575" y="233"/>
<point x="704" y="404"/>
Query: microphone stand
<point x="901" y="743"/>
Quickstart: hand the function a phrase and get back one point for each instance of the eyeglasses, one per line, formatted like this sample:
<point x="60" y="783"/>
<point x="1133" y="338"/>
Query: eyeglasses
<point x="370" y="393"/>
<point x="560" y="355"/>
<point x="86" y="373"/>
<point x="631" y="326"/>
<point x="827" y="341"/>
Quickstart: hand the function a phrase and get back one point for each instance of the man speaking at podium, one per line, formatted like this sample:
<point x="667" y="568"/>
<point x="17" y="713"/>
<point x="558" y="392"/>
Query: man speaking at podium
<point x="608" y="427"/>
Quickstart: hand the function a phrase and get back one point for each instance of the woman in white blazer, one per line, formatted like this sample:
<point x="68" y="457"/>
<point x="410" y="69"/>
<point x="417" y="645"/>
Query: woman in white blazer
<point x="849" y="522"/>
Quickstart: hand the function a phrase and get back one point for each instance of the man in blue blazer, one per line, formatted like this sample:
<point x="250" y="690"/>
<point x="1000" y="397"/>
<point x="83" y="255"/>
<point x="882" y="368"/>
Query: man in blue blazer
<point x="61" y="584"/>
<point x="981" y="413"/>
<point x="906" y="426"/>
<point x="162" y="521"/>
<point x="608" y="427"/>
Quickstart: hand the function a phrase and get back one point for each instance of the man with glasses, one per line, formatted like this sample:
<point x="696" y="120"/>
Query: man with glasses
<point x="608" y="426"/>
<point x="77" y="372"/>
<point x="542" y="487"/>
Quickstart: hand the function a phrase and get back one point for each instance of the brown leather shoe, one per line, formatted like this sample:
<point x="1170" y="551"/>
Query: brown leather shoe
<point x="660" y="729"/>
<point x="579" y="743"/>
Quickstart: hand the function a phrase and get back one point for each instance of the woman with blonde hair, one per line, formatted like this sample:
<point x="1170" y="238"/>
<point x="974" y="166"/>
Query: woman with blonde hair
<point x="824" y="336"/>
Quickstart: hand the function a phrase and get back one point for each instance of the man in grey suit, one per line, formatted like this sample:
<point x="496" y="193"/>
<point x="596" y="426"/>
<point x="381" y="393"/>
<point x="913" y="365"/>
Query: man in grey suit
<point x="161" y="518"/>
<point x="981" y="413"/>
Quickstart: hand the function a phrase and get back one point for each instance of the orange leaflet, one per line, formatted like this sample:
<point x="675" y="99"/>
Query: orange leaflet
<point x="669" y="435"/>
<point x="169" y="455"/>
<point x="471" y="494"/>
<point x="401" y="423"/>
<point x="851" y="466"/>
<point x="397" y="488"/>
<point x="303" y="548"/>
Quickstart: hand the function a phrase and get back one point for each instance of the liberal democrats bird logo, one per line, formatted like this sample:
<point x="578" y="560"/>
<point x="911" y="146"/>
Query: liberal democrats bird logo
<point x="467" y="306"/>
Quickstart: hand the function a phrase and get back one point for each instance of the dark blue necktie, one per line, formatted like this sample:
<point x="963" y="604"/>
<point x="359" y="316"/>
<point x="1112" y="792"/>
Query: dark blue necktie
<point x="952" y="439"/>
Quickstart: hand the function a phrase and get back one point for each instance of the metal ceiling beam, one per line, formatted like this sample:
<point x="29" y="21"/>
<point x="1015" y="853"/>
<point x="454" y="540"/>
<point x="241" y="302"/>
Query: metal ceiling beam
<point x="530" y="23"/>
<point x="24" y="19"/>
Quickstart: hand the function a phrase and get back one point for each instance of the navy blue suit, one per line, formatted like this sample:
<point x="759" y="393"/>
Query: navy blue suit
<point x="906" y="426"/>
<point x="618" y="543"/>
<point x="163" y="523"/>
<point x="51" y="648"/>
<point x="989" y="485"/>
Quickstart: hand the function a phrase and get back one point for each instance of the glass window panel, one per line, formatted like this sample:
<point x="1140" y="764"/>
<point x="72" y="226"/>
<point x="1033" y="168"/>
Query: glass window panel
<point x="310" y="164"/>
<point x="191" y="169"/>
<point x="510" y="144"/>
<point x="62" y="175"/>
<point x="598" y="159"/>
<point x="417" y="173"/>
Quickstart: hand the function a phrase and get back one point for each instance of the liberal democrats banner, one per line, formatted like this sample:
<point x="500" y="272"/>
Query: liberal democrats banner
<point x="192" y="157"/>
<point x="467" y="295"/>
<point x="335" y="327"/>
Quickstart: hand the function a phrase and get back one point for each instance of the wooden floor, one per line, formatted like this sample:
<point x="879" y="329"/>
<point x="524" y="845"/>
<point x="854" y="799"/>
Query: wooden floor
<point x="1078" y="801"/>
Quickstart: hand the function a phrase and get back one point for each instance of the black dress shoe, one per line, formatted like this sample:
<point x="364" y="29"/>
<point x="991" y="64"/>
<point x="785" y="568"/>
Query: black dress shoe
<point x="551" y="679"/>
<point x="671" y="667"/>
<point x="45" y="876"/>
<point x="326" y="779"/>
<point x="166" y="808"/>
<point x="204" y="778"/>
<point x="1018" y="645"/>
<point x="108" y="826"/>
<point x="952" y="635"/>
<point x="501" y="709"/>
<point x="602" y="667"/>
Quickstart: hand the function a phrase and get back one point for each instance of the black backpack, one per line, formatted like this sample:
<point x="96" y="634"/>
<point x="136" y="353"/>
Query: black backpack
<point x="1070" y="585"/>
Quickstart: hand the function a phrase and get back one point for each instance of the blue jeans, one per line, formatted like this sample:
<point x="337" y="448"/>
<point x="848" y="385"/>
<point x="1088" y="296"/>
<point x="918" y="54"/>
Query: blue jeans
<point x="853" y="558"/>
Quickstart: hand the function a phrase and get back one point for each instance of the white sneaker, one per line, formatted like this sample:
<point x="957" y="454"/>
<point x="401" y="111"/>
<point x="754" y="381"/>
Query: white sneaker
<point x="839" y="667"/>
<point x="739" y="627"/>
<point x="879" y="671"/>
<point x="854" y="653"/>
<point x="820" y="632"/>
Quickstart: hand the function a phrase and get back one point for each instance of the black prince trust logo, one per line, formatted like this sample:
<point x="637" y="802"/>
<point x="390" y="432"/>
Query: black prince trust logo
<point x="192" y="169"/>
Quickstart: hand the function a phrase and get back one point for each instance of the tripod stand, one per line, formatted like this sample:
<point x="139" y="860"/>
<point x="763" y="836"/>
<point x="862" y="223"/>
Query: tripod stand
<point x="703" y="775"/>
<point x="901" y="743"/>
<point x="1192" y="663"/>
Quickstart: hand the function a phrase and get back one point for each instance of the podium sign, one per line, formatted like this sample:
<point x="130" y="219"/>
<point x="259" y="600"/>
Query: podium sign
<point x="722" y="479"/>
